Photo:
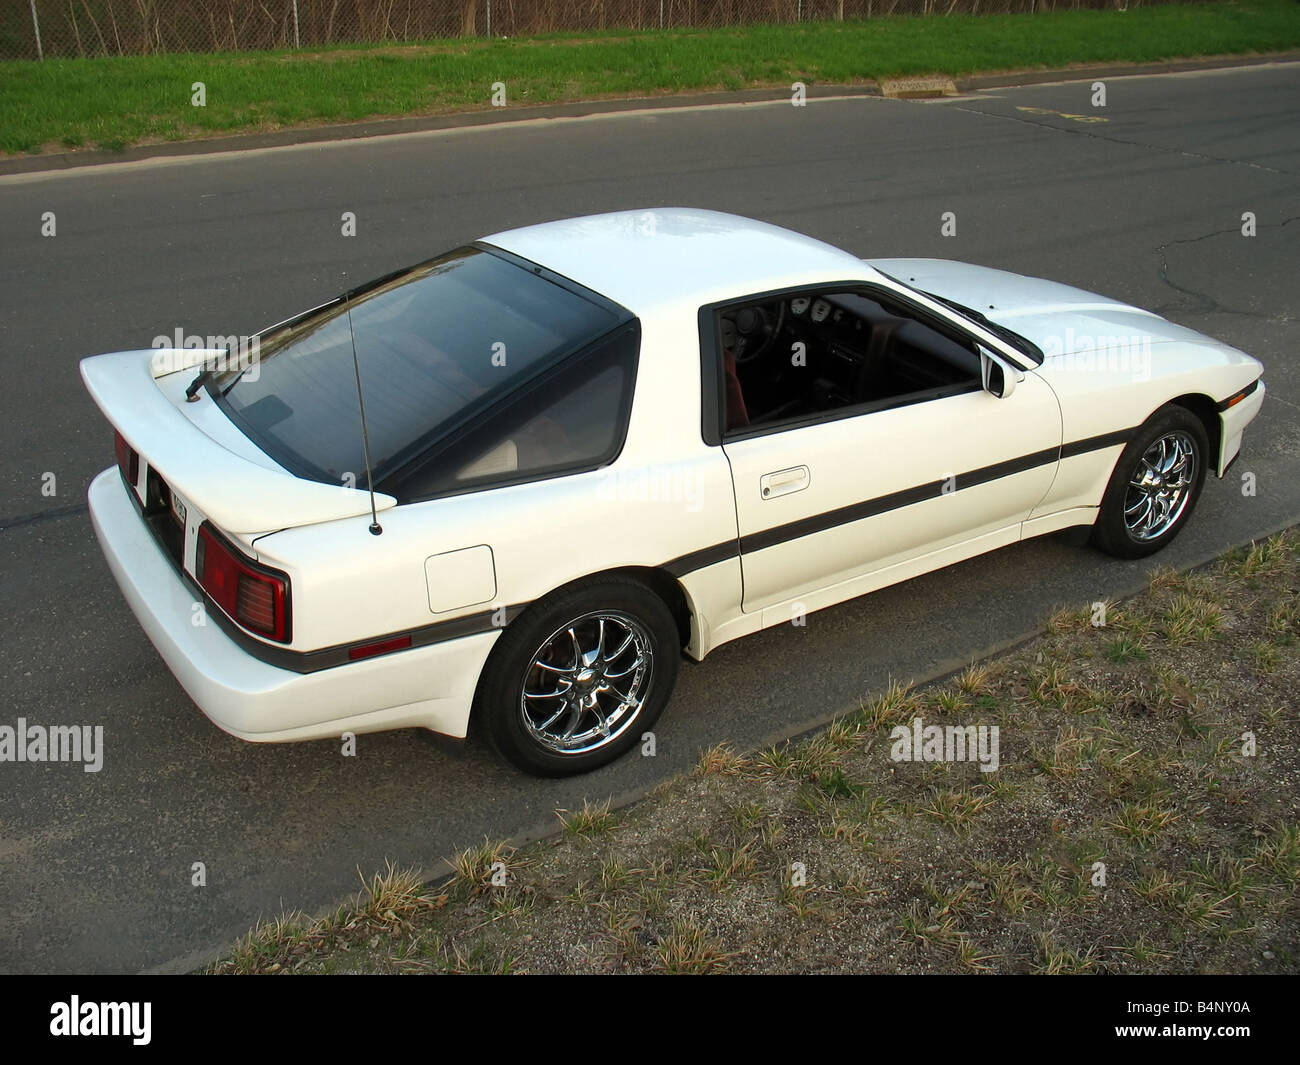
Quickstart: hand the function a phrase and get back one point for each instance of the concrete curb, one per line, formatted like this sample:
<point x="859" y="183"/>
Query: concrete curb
<point x="382" y="127"/>
<point x="459" y="120"/>
<point x="1009" y="79"/>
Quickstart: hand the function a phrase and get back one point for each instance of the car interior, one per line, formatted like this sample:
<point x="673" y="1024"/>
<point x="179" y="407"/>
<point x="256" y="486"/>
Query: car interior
<point x="573" y="417"/>
<point x="795" y="357"/>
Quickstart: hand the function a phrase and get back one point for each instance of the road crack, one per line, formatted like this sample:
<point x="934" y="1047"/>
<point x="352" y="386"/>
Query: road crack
<point x="1204" y="302"/>
<point x="42" y="516"/>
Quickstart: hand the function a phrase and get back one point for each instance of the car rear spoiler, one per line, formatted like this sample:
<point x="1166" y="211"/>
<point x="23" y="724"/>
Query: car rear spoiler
<point x="237" y="494"/>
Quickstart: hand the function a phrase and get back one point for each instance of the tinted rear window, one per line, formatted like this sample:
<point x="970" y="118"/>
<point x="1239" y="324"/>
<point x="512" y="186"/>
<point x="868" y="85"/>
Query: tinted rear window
<point x="574" y="418"/>
<point x="435" y="346"/>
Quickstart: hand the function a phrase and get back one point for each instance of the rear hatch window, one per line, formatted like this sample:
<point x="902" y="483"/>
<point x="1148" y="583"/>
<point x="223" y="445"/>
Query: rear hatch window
<point x="435" y="345"/>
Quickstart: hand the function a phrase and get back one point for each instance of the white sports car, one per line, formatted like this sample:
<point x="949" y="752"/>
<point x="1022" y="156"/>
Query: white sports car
<point x="517" y="481"/>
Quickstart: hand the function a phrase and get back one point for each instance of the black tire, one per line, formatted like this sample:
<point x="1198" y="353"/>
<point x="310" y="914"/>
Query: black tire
<point x="536" y="655"/>
<point x="1119" y="529"/>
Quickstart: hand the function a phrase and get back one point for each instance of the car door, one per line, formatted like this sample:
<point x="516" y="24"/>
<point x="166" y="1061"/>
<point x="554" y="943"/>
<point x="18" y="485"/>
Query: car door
<point x="861" y="488"/>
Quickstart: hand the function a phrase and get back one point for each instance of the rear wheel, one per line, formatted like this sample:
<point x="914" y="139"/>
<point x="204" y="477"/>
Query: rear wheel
<point x="1155" y="486"/>
<point x="579" y="677"/>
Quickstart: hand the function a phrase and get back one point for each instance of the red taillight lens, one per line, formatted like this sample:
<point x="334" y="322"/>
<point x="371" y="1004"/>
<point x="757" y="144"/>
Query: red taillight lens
<point x="256" y="597"/>
<point x="255" y="604"/>
<point x="128" y="460"/>
<point x="383" y="647"/>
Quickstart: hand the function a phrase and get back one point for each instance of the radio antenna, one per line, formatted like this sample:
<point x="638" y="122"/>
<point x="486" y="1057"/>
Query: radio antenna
<point x="375" y="527"/>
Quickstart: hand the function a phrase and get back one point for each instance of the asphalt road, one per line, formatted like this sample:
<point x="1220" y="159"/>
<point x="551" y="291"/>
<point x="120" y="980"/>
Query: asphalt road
<point x="95" y="869"/>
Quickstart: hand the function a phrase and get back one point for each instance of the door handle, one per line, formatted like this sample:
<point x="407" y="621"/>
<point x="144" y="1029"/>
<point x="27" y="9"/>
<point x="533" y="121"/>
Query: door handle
<point x="783" y="482"/>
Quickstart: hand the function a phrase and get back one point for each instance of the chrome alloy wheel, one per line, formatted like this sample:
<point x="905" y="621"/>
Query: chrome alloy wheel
<point x="587" y="682"/>
<point x="1160" y="488"/>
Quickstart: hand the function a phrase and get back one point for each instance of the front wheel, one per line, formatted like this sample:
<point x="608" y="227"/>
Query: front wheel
<point x="1155" y="486"/>
<point x="579" y="677"/>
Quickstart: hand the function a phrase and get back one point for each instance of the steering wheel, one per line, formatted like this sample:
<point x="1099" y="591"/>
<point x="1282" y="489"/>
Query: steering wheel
<point x="754" y="327"/>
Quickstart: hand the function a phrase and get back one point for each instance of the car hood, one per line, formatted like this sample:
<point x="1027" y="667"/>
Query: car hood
<point x="1060" y="319"/>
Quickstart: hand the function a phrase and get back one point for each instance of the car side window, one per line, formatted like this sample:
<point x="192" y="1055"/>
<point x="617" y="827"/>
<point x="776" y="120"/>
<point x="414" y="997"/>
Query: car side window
<point x="573" y="419"/>
<point x="801" y="356"/>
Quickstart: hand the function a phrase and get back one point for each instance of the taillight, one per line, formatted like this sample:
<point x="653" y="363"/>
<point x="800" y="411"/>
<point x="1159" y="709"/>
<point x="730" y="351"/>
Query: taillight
<point x="254" y="596"/>
<point x="128" y="459"/>
<point x="382" y="647"/>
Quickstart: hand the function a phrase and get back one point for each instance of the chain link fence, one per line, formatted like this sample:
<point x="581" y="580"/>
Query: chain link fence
<point x="36" y="29"/>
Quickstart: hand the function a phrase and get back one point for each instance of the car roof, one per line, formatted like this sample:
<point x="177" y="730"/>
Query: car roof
<point x="659" y="257"/>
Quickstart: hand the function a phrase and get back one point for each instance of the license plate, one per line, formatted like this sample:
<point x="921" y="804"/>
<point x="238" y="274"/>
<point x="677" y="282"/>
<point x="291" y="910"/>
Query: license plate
<point x="178" y="509"/>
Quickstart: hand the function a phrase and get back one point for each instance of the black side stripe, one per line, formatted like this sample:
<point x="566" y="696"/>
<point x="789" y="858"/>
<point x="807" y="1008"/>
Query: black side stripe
<point x="488" y="620"/>
<point x="869" y="508"/>
<point x="483" y="621"/>
<point x="329" y="657"/>
<point x="709" y="556"/>
<point x="1097" y="443"/>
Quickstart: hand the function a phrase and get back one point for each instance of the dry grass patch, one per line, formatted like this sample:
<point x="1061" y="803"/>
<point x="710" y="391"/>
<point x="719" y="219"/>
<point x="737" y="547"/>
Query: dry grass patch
<point x="1144" y="817"/>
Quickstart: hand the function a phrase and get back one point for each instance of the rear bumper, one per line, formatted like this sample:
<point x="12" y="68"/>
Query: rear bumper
<point x="427" y="687"/>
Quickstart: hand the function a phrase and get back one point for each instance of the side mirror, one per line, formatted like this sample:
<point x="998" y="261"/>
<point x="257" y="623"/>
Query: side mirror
<point x="998" y="378"/>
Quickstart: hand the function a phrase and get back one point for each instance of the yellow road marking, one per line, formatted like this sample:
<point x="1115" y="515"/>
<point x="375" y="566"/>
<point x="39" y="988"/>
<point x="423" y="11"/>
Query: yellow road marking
<point x="1062" y="114"/>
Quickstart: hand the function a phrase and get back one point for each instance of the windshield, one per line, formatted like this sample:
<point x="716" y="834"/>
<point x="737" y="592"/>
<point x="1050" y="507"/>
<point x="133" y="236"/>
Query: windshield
<point x="435" y="345"/>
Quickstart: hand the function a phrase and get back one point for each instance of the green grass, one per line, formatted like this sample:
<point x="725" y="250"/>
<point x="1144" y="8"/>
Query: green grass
<point x="118" y="101"/>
